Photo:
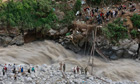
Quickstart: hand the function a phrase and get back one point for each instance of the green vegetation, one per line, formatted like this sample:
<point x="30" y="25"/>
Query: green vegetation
<point x="36" y="15"/>
<point x="134" y="33"/>
<point x="115" y="31"/>
<point x="77" y="6"/>
<point x="68" y="18"/>
<point x="136" y="20"/>
<point x="28" y="15"/>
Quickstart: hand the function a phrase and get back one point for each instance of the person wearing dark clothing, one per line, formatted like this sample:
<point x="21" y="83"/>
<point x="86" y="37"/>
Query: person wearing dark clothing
<point x="111" y="13"/>
<point x="120" y="8"/>
<point x="86" y="69"/>
<point x="107" y="14"/>
<point x="22" y="70"/>
<point x="77" y="69"/>
<point x="93" y="11"/>
<point x="14" y="70"/>
<point x="74" y="71"/>
<point x="116" y="13"/>
<point x="3" y="71"/>
<point x="133" y="8"/>
<point x="96" y="10"/>
<point x="64" y="67"/>
<point x="99" y="19"/>
<point x="123" y="13"/>
<point x="80" y="14"/>
<point x="29" y="71"/>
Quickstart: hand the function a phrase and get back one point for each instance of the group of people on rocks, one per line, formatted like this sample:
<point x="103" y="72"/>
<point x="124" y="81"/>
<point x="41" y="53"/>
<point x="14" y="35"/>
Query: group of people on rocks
<point x="77" y="70"/>
<point x="7" y="69"/>
<point x="100" y="15"/>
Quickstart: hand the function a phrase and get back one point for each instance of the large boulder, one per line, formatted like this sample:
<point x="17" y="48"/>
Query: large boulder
<point x="119" y="53"/>
<point x="134" y="48"/>
<point x="128" y="54"/>
<point x="5" y="40"/>
<point x="18" y="40"/>
<point x="53" y="32"/>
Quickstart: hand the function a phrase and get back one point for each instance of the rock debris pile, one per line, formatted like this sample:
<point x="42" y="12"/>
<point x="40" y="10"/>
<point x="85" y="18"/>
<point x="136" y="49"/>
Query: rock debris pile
<point x="43" y="74"/>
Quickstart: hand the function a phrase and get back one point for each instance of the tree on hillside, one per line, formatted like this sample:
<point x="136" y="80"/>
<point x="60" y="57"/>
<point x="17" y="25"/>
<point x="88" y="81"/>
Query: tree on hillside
<point x="7" y="17"/>
<point x="115" y="31"/>
<point x="28" y="15"/>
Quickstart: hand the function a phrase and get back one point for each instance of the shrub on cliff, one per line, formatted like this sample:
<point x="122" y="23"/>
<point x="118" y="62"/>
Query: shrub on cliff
<point x="77" y="6"/>
<point x="136" y="20"/>
<point x="28" y="15"/>
<point x="115" y="31"/>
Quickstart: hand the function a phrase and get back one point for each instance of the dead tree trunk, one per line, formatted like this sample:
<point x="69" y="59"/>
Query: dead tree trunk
<point x="93" y="49"/>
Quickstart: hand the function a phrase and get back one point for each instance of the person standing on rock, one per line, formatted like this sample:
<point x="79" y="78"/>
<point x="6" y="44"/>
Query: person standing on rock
<point x="60" y="66"/>
<point x="22" y="70"/>
<point x="29" y="70"/>
<point x="3" y="71"/>
<point x="77" y="69"/>
<point x="82" y="70"/>
<point x="9" y="68"/>
<point x="5" y="68"/>
<point x="14" y="70"/>
<point x="116" y="13"/>
<point x="64" y="67"/>
<point x="19" y="69"/>
<point x="14" y="66"/>
<point x="86" y="69"/>
<point x="74" y="71"/>
<point x="33" y="69"/>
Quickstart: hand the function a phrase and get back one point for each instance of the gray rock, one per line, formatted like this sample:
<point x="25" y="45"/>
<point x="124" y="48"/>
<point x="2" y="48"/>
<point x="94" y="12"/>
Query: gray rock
<point x="18" y="40"/>
<point x="1" y="82"/>
<point x="115" y="48"/>
<point x="128" y="54"/>
<point x="113" y="57"/>
<point x="63" y="31"/>
<point x="119" y="53"/>
<point x="52" y="32"/>
<point x="133" y="48"/>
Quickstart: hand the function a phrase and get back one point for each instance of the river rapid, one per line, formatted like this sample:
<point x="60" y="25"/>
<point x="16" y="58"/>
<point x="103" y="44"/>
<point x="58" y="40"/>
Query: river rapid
<point x="49" y="52"/>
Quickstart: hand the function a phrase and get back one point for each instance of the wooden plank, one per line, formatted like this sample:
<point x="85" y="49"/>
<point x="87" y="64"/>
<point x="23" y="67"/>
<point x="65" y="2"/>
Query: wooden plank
<point x="102" y="55"/>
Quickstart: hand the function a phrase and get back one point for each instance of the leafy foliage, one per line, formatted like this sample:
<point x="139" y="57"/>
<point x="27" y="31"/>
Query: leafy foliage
<point x="69" y="17"/>
<point x="28" y="14"/>
<point x="115" y="31"/>
<point x="134" y="33"/>
<point x="136" y="20"/>
<point x="77" y="6"/>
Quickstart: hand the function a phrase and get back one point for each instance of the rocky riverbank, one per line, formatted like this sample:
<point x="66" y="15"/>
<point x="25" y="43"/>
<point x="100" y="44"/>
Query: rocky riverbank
<point x="51" y="74"/>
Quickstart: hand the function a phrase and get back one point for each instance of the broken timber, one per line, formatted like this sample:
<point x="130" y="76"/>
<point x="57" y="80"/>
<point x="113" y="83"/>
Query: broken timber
<point x="102" y="55"/>
<point x="94" y="32"/>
